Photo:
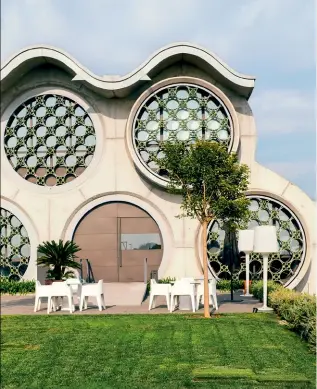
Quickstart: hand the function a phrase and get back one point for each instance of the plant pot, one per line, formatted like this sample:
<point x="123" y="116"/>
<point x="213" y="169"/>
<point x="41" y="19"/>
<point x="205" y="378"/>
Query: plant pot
<point x="245" y="286"/>
<point x="49" y="282"/>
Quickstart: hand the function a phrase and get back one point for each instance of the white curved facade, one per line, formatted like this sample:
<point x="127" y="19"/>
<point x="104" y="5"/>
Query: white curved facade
<point x="52" y="212"/>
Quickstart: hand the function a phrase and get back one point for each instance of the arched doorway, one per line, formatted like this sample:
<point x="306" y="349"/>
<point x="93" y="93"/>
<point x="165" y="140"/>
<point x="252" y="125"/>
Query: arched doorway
<point x="116" y="237"/>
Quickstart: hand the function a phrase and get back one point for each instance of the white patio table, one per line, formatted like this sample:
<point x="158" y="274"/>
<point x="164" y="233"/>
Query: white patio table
<point x="76" y="288"/>
<point x="185" y="301"/>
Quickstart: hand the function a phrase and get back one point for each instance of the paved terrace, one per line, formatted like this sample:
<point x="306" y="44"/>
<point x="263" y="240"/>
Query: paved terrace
<point x="24" y="305"/>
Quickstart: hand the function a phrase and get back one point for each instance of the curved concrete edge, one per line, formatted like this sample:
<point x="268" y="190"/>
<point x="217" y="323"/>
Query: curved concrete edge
<point x="33" y="55"/>
<point x="27" y="222"/>
<point x="131" y="198"/>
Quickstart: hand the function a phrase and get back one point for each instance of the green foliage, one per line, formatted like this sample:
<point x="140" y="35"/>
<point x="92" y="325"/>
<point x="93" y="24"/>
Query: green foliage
<point x="210" y="180"/>
<point x="256" y="288"/>
<point x="166" y="280"/>
<point x="58" y="257"/>
<point x="225" y="285"/>
<point x="298" y="309"/>
<point x="152" y="352"/>
<point x="16" y="287"/>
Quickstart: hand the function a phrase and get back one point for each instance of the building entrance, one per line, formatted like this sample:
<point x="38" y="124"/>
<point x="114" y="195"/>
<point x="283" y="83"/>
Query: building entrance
<point x="116" y="237"/>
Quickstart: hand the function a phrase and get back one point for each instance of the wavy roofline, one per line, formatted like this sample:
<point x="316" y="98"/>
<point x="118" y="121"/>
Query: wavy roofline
<point x="31" y="56"/>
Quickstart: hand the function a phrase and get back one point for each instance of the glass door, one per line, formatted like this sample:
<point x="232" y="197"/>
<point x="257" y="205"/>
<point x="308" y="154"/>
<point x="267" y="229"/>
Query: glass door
<point x="116" y="237"/>
<point x="139" y="239"/>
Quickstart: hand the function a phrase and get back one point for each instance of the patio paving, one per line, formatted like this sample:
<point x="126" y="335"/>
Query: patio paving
<point x="24" y="305"/>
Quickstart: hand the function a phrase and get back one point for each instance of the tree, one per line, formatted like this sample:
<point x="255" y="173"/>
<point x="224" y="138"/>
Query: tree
<point x="212" y="184"/>
<point x="58" y="257"/>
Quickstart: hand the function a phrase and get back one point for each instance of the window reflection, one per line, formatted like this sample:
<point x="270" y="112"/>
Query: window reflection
<point x="140" y="242"/>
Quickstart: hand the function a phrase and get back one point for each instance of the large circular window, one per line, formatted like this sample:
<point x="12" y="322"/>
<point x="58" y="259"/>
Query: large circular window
<point x="284" y="265"/>
<point x="184" y="112"/>
<point x="15" y="247"/>
<point x="49" y="140"/>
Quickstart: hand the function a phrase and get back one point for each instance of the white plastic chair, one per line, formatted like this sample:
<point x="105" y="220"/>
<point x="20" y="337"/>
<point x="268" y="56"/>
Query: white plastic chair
<point x="182" y="288"/>
<point x="159" y="290"/>
<point x="92" y="290"/>
<point x="40" y="292"/>
<point x="212" y="285"/>
<point x="61" y="289"/>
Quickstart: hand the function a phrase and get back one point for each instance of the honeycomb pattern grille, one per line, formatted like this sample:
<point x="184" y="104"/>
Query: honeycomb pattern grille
<point x="283" y="265"/>
<point x="49" y="140"/>
<point x="15" y="247"/>
<point x="179" y="112"/>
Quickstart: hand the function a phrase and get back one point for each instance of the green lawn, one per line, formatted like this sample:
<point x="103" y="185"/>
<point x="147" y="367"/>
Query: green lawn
<point x="152" y="351"/>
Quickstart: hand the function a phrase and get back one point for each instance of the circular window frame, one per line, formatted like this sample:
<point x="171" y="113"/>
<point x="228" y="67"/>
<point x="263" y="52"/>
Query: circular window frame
<point x="18" y="212"/>
<point x="303" y="268"/>
<point x="19" y="181"/>
<point x="130" y="140"/>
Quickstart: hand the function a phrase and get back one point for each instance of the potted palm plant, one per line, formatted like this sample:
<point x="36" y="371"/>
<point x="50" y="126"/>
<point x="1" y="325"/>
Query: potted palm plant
<point x="58" y="257"/>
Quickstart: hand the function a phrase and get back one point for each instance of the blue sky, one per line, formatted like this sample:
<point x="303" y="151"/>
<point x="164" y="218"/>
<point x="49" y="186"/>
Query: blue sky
<point x="274" y="40"/>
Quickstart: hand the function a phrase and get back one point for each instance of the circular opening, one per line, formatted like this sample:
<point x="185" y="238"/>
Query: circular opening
<point x="15" y="247"/>
<point x="291" y="255"/>
<point x="185" y="112"/>
<point x="50" y="139"/>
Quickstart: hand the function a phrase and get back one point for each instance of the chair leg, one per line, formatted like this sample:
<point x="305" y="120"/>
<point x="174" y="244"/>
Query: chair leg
<point x="70" y="304"/>
<point x="81" y="303"/>
<point x="151" y="301"/>
<point x="103" y="301"/>
<point x="98" y="298"/>
<point x="198" y="302"/>
<point x="54" y="303"/>
<point x="192" y="297"/>
<point x="168" y="302"/>
<point x="49" y="302"/>
<point x="86" y="302"/>
<point x="36" y="303"/>
<point x="171" y="303"/>
<point x="215" y="302"/>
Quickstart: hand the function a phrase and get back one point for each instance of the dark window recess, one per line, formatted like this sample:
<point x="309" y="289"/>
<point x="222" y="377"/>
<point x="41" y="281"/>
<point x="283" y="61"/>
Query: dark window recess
<point x="141" y="242"/>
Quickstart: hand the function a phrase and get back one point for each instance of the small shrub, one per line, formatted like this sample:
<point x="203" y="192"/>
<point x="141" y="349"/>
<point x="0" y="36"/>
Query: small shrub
<point x="166" y="280"/>
<point x="225" y="285"/>
<point x="16" y="287"/>
<point x="257" y="288"/>
<point x="298" y="309"/>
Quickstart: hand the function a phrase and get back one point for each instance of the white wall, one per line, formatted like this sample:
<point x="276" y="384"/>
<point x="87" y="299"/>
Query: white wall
<point x="50" y="211"/>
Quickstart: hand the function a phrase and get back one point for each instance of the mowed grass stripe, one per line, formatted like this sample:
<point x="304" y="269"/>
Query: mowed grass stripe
<point x="151" y="351"/>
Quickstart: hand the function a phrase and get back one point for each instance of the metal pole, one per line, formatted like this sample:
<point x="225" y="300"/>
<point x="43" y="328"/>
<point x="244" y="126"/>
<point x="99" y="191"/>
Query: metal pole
<point x="247" y="268"/>
<point x="265" y="268"/>
<point x="145" y="270"/>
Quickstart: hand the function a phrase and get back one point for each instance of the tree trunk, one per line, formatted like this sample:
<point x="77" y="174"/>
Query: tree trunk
<point x="205" y="267"/>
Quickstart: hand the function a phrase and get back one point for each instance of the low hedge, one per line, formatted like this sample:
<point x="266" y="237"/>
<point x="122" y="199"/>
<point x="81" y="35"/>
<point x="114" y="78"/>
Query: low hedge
<point x="256" y="289"/>
<point x="225" y="285"/>
<point x="298" y="309"/>
<point x="16" y="287"/>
